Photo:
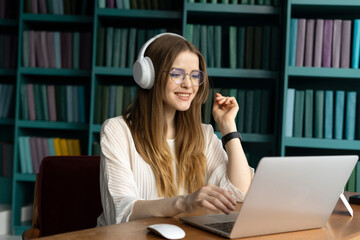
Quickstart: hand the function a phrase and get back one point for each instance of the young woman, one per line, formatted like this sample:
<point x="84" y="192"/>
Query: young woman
<point x="158" y="159"/>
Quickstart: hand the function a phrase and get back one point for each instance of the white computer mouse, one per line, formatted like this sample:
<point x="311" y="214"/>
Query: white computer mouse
<point x="168" y="231"/>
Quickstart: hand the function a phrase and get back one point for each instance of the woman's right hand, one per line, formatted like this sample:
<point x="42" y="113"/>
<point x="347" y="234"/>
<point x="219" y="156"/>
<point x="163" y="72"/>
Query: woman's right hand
<point x="211" y="197"/>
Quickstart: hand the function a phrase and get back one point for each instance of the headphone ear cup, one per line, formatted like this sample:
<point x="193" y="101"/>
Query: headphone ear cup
<point x="144" y="73"/>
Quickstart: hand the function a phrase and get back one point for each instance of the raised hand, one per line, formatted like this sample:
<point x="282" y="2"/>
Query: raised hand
<point x="224" y="112"/>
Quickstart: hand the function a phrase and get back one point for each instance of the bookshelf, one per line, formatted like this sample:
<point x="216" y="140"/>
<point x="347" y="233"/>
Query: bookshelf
<point x="326" y="132"/>
<point x="230" y="77"/>
<point x="104" y="74"/>
<point x="9" y="24"/>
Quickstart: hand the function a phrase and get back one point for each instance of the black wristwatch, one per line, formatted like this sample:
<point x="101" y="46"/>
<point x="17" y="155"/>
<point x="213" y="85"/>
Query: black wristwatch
<point x="230" y="136"/>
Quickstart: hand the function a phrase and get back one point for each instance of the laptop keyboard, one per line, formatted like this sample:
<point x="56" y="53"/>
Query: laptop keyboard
<point x="223" y="226"/>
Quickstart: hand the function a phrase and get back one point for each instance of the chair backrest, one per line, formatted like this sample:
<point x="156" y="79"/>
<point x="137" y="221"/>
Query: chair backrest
<point x="68" y="195"/>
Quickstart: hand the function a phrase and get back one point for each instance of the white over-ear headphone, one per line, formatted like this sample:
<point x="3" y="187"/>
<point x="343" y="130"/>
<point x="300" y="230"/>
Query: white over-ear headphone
<point x="143" y="68"/>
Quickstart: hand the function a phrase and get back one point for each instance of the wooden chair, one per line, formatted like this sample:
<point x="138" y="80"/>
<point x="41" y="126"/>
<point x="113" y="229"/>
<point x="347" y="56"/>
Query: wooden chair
<point x="67" y="195"/>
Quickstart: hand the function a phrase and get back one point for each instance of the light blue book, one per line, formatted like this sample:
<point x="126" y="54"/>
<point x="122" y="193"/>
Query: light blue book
<point x="76" y="106"/>
<point x="126" y="4"/>
<point x="109" y="46"/>
<point x="51" y="146"/>
<point x="293" y="40"/>
<point x="290" y="112"/>
<point x="57" y="44"/>
<point x="76" y="50"/>
<point x="299" y="113"/>
<point x="102" y="3"/>
<point x="69" y="103"/>
<point x="22" y="153"/>
<point x="124" y="47"/>
<point x="339" y="114"/>
<point x="356" y="44"/>
<point x="119" y="4"/>
<point x="329" y="114"/>
<point x="233" y="52"/>
<point x="350" y="115"/>
<point x="319" y="114"/>
<point x="81" y="95"/>
<point x="28" y="158"/>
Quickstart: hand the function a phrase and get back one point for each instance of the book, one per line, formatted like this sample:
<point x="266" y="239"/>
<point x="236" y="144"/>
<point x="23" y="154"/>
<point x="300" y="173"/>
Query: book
<point x="327" y="43"/>
<point x="336" y="44"/>
<point x="350" y="115"/>
<point x="22" y="155"/>
<point x="299" y="113"/>
<point x="24" y="102"/>
<point x="69" y="103"/>
<point x="329" y="114"/>
<point x="57" y="46"/>
<point x="266" y="40"/>
<point x="26" y="57"/>
<point x="318" y="42"/>
<point x="240" y="47"/>
<point x="131" y="47"/>
<point x="240" y="117"/>
<point x="356" y="44"/>
<point x="203" y="41"/>
<point x="290" y="101"/>
<point x="28" y="157"/>
<point x="109" y="46"/>
<point x="76" y="107"/>
<point x="257" y="47"/>
<point x="116" y="48"/>
<point x="309" y="43"/>
<point x="249" y="47"/>
<point x="293" y="41"/>
<point x="249" y="111"/>
<point x="124" y="46"/>
<point x="210" y="46"/>
<point x="82" y="107"/>
<point x="51" y="102"/>
<point x="256" y="111"/>
<point x="112" y="100"/>
<point x="275" y="48"/>
<point x="100" y="46"/>
<point x="50" y="37"/>
<point x="31" y="101"/>
<point x="339" y="114"/>
<point x="309" y="113"/>
<point x="319" y="114"/>
<point x="217" y="45"/>
<point x="300" y="42"/>
<point x="57" y="147"/>
<point x="232" y="46"/>
<point x="345" y="44"/>
<point x="44" y="102"/>
<point x="76" y="50"/>
<point x="119" y="100"/>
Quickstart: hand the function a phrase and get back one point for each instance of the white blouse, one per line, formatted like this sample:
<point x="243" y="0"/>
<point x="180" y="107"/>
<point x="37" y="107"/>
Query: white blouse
<point x="125" y="177"/>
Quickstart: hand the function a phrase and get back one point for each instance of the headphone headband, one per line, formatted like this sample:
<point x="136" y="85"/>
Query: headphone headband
<point x="143" y="68"/>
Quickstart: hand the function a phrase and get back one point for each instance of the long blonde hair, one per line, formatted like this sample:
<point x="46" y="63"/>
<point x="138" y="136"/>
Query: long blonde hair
<point x="146" y="120"/>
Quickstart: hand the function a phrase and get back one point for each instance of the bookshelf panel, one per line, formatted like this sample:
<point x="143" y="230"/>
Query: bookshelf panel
<point x="55" y="72"/>
<point x="38" y="18"/>
<point x="324" y="72"/>
<point x="136" y="14"/>
<point x="52" y="125"/>
<point x="322" y="143"/>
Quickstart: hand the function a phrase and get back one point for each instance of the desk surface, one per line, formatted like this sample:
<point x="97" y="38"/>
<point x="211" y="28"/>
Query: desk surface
<point x="340" y="226"/>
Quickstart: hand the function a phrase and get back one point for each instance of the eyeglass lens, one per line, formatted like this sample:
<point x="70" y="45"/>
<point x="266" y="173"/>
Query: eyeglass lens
<point x="178" y="76"/>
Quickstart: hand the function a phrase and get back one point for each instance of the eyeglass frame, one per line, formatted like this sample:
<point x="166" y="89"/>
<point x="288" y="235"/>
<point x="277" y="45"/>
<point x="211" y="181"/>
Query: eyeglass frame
<point x="186" y="75"/>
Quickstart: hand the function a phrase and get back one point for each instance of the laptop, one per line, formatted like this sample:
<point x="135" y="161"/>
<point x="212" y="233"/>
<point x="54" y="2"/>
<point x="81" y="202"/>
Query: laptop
<point x="286" y="194"/>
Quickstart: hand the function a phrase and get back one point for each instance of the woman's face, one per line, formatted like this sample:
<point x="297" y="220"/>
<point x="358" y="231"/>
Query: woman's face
<point x="178" y="97"/>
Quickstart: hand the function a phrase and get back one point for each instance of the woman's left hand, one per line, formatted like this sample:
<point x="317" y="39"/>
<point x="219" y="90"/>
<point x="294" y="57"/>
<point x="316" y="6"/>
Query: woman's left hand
<point x="224" y="112"/>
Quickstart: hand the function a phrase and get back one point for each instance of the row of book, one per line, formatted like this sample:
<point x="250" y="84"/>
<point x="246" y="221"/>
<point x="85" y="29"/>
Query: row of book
<point x="324" y="43"/>
<point x="8" y="50"/>
<point x="42" y="102"/>
<point x="249" y="47"/>
<point x="255" y="113"/>
<point x="112" y="100"/>
<point x="6" y="100"/>
<point x="6" y="159"/>
<point x="321" y="114"/>
<point x="141" y="4"/>
<point x="118" y="47"/>
<point x="57" y="49"/>
<point x="60" y="7"/>
<point x="9" y="9"/>
<point x="250" y="2"/>
<point x="34" y="149"/>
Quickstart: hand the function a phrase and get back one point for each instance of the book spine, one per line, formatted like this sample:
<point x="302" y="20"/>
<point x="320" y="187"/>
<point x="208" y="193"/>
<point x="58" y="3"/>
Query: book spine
<point x="345" y="44"/>
<point x="350" y="115"/>
<point x="309" y="42"/>
<point x="356" y="44"/>
<point x="329" y="109"/>
<point x="327" y="43"/>
<point x="318" y="43"/>
<point x="336" y="46"/>
<point x="319" y="114"/>
<point x="300" y="42"/>
<point x="293" y="43"/>
<point x="339" y="114"/>
<point x="290" y="112"/>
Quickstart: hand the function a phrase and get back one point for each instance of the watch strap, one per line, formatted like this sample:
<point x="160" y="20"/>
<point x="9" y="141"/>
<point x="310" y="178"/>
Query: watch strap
<point x="230" y="136"/>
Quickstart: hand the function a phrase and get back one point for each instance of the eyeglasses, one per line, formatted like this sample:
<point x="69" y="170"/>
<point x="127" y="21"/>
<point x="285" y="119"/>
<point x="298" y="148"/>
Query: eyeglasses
<point x="178" y="76"/>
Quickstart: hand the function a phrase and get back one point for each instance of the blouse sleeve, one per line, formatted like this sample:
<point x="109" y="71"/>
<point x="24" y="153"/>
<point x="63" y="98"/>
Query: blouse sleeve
<point x="217" y="160"/>
<point x="118" y="188"/>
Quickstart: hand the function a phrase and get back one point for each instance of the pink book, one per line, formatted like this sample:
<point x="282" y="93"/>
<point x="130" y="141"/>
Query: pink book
<point x="51" y="48"/>
<point x="44" y="49"/>
<point x="63" y="50"/>
<point x="40" y="153"/>
<point x="327" y="43"/>
<point x="31" y="36"/>
<point x="34" y="154"/>
<point x="336" y="44"/>
<point x="318" y="43"/>
<point x="345" y="44"/>
<point x="51" y="101"/>
<point x="69" y="45"/>
<point x="309" y="42"/>
<point x="110" y="3"/>
<point x="42" y="6"/>
<point x="31" y="101"/>
<point x="34" y="6"/>
<point x="300" y="43"/>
